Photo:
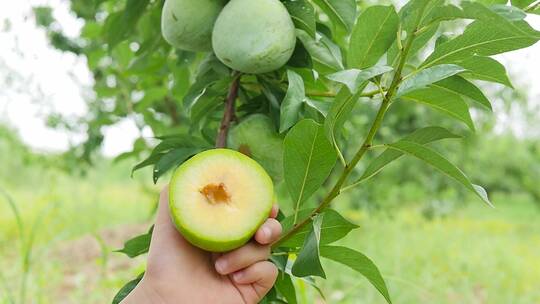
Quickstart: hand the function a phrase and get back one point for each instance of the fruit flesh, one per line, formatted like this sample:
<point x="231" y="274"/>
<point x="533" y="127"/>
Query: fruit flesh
<point x="188" y="24"/>
<point x="254" y="36"/>
<point x="219" y="198"/>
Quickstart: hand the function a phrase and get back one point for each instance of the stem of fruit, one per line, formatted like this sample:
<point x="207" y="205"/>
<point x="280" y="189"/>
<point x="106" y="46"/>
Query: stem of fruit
<point x="228" y="114"/>
<point x="336" y="190"/>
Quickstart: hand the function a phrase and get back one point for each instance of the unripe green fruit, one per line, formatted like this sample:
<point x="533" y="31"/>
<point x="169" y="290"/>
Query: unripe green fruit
<point x="254" y="36"/>
<point x="256" y="136"/>
<point x="187" y="24"/>
<point x="219" y="198"/>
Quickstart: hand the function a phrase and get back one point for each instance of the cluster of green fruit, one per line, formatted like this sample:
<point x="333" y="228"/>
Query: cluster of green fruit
<point x="219" y="198"/>
<point x="247" y="36"/>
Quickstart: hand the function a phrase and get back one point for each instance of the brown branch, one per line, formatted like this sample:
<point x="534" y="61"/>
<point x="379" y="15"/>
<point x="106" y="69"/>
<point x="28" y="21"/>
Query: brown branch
<point x="228" y="114"/>
<point x="173" y="110"/>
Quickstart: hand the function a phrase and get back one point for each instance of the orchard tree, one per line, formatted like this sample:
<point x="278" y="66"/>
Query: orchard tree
<point x="278" y="81"/>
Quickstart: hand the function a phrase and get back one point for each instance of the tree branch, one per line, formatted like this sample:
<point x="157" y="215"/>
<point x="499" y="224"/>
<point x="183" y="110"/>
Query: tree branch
<point x="173" y="111"/>
<point x="228" y="114"/>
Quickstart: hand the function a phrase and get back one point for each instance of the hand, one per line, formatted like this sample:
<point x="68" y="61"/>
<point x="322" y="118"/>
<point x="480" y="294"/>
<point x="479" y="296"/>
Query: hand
<point x="178" y="272"/>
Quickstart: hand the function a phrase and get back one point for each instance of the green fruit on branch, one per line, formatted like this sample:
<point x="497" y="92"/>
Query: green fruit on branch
<point x="254" y="36"/>
<point x="256" y="136"/>
<point x="187" y="24"/>
<point x="219" y="198"/>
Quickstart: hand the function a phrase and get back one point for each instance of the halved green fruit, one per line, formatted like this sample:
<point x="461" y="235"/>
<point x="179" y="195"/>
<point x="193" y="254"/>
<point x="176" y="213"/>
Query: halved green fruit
<point x="219" y="198"/>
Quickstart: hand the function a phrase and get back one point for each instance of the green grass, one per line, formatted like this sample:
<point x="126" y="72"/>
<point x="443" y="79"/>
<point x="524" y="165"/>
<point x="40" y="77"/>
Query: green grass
<point x="60" y="249"/>
<point x="474" y="255"/>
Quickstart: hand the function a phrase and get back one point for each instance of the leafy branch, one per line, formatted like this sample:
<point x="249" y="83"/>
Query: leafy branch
<point x="336" y="190"/>
<point x="290" y="124"/>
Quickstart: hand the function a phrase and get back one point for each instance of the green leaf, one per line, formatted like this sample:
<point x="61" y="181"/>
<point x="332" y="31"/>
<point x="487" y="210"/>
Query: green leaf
<point x="422" y="136"/>
<point x="341" y="12"/>
<point x="485" y="68"/>
<point x="436" y="160"/>
<point x="509" y="12"/>
<point x="120" y="24"/>
<point x="464" y="88"/>
<point x="416" y="13"/>
<point x="308" y="159"/>
<point x="292" y="103"/>
<point x="360" y="263"/>
<point x="169" y="143"/>
<point x="489" y="2"/>
<point x="334" y="228"/>
<point x="342" y="107"/>
<point x="322" y="50"/>
<point x="308" y="262"/>
<point x="521" y="3"/>
<point x="300" y="57"/>
<point x="445" y="12"/>
<point x="321" y="106"/>
<point x="210" y="71"/>
<point x="151" y="160"/>
<point x="428" y="76"/>
<point x="373" y="34"/>
<point x="441" y="39"/>
<point x="171" y="160"/>
<point x="208" y="101"/>
<point x="302" y="14"/>
<point x="285" y="287"/>
<point x="444" y="101"/>
<point x="126" y="289"/>
<point x="472" y="10"/>
<point x="137" y="245"/>
<point x="484" y="38"/>
<point x="272" y="298"/>
<point x="475" y="10"/>
<point x="355" y="79"/>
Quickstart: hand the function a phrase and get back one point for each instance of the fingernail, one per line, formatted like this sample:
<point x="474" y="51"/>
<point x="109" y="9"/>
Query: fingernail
<point x="238" y="275"/>
<point x="267" y="232"/>
<point x="221" y="266"/>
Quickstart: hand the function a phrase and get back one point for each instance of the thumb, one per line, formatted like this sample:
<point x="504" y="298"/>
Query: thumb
<point x="167" y="245"/>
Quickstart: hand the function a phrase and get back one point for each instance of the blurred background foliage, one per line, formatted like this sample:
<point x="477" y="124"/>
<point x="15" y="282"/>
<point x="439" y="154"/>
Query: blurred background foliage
<point x="78" y="206"/>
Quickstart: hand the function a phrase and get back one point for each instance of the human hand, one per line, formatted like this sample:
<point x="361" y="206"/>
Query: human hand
<point x="178" y="272"/>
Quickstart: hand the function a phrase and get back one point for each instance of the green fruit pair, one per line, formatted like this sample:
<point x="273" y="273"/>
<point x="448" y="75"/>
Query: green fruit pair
<point x="219" y="198"/>
<point x="250" y="36"/>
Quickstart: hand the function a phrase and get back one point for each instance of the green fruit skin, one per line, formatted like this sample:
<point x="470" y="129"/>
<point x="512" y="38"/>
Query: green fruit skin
<point x="258" y="134"/>
<point x="187" y="24"/>
<point x="214" y="245"/>
<point x="254" y="36"/>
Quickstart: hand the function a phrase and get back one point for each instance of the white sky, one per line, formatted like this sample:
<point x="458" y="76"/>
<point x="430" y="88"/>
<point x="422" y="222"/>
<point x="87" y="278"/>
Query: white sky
<point x="47" y="80"/>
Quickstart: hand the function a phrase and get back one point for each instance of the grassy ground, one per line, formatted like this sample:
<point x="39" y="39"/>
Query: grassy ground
<point x="71" y="225"/>
<point x="476" y="255"/>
